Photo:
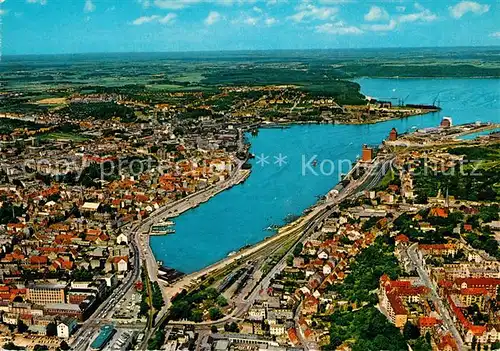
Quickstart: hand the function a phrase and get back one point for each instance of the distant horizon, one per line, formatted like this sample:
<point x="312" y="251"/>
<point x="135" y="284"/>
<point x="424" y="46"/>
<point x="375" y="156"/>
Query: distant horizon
<point x="388" y="48"/>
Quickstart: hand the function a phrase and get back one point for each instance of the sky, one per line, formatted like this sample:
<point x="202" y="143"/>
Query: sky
<point x="81" y="26"/>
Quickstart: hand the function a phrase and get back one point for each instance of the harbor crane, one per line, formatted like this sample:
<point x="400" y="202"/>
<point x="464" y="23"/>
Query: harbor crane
<point x="403" y="101"/>
<point x="436" y="100"/>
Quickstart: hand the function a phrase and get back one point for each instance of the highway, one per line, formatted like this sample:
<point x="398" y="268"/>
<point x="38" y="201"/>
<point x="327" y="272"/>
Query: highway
<point x="301" y="228"/>
<point x="81" y="339"/>
<point x="443" y="311"/>
<point x="142" y="251"/>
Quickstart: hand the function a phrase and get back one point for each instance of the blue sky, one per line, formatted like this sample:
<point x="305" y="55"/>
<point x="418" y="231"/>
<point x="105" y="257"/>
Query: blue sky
<point x="75" y="26"/>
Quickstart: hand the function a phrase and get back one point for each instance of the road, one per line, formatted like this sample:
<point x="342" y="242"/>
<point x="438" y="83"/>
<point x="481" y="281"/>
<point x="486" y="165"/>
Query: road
<point x="301" y="228"/>
<point x="81" y="339"/>
<point x="422" y="273"/>
<point x="142" y="251"/>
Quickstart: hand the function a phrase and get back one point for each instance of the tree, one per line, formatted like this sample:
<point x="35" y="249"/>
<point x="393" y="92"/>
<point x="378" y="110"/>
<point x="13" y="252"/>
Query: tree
<point x="231" y="328"/>
<point x="421" y="345"/>
<point x="335" y="341"/>
<point x="428" y="337"/>
<point x="221" y="301"/>
<point x="64" y="345"/>
<point x="298" y="249"/>
<point x="197" y="316"/>
<point x="51" y="329"/>
<point x="410" y="331"/>
<point x="12" y="346"/>
<point x="157" y="341"/>
<point x="213" y="329"/>
<point x="215" y="313"/>
<point x="21" y="327"/>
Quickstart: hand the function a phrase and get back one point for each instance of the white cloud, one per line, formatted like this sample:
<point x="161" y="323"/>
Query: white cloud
<point x="212" y="18"/>
<point x="307" y="11"/>
<point x="2" y="12"/>
<point x="174" y="4"/>
<point x="251" y="21"/>
<point x="495" y="35"/>
<point x="425" y="15"/>
<point x="257" y="9"/>
<point x="335" y="2"/>
<point x="144" y="3"/>
<point x="89" y="6"/>
<point x="270" y="21"/>
<point x="145" y="19"/>
<point x="41" y="2"/>
<point x="376" y="14"/>
<point x="276" y="2"/>
<point x="180" y="4"/>
<point x="338" y="28"/>
<point x="464" y="7"/>
<point x="169" y="18"/>
<point x="381" y="27"/>
<point x="420" y="16"/>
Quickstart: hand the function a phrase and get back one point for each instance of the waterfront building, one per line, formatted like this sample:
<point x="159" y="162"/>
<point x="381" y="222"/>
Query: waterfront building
<point x="393" y="135"/>
<point x="367" y="154"/>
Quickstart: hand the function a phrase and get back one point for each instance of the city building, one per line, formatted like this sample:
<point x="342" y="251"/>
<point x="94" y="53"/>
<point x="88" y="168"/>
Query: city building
<point x="367" y="154"/>
<point x="66" y="327"/>
<point x="393" y="134"/>
<point x="46" y="293"/>
<point x="105" y="335"/>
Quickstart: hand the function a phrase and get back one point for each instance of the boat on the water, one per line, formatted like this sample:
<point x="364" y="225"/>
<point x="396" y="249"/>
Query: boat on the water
<point x="163" y="228"/>
<point x="162" y="232"/>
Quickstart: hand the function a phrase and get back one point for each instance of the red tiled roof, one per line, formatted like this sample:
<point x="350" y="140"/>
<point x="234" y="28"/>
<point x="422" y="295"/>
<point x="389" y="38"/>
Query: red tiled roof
<point x="39" y="259"/>
<point x="428" y="322"/>
<point x="402" y="238"/>
<point x="474" y="291"/>
<point x="292" y="335"/>
<point x="436" y="246"/>
<point x="447" y="340"/>
<point x="118" y="259"/>
<point x="439" y="212"/>
<point x="396" y="303"/>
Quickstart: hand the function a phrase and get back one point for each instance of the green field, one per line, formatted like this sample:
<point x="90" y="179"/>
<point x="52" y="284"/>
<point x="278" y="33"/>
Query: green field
<point x="152" y="77"/>
<point x="64" y="136"/>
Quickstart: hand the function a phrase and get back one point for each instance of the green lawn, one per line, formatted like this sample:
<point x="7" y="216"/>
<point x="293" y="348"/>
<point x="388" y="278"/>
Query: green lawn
<point x="64" y="136"/>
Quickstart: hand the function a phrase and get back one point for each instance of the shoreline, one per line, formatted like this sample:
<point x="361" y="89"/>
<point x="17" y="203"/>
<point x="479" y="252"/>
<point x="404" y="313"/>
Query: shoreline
<point x="180" y="206"/>
<point x="301" y="224"/>
<point x="187" y="205"/>
<point x="284" y="125"/>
